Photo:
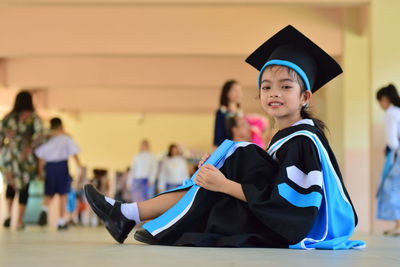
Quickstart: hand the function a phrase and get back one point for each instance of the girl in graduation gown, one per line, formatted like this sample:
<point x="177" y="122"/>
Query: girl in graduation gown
<point x="290" y="196"/>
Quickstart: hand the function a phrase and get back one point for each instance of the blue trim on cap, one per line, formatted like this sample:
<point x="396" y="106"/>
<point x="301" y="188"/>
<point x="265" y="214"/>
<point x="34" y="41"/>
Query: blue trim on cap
<point x="287" y="64"/>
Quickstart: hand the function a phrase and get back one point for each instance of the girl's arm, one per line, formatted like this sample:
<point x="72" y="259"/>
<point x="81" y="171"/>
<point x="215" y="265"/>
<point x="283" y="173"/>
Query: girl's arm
<point x="391" y="129"/>
<point x="211" y="178"/>
<point x="41" y="164"/>
<point x="77" y="161"/>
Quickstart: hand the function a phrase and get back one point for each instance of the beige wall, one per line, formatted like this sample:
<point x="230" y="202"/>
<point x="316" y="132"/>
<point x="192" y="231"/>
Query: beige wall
<point x="356" y="119"/>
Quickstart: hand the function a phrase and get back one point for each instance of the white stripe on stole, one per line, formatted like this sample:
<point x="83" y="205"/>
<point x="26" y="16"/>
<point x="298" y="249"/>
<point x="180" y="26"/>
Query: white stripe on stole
<point x="304" y="180"/>
<point x="322" y="151"/>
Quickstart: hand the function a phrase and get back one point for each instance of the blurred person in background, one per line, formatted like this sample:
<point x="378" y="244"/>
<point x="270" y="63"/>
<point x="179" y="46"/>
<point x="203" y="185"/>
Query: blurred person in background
<point x="259" y="125"/>
<point x="238" y="129"/>
<point x="122" y="192"/>
<point x="231" y="96"/>
<point x="173" y="169"/>
<point x="53" y="165"/>
<point x="143" y="173"/>
<point x="389" y="190"/>
<point x="21" y="131"/>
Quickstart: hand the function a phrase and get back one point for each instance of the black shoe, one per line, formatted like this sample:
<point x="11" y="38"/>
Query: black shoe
<point x="42" y="218"/>
<point x="7" y="222"/>
<point x="62" y="227"/>
<point x="145" y="237"/>
<point x="116" y="223"/>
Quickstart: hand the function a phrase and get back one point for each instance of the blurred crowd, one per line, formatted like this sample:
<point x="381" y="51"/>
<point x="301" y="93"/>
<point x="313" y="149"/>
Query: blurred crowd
<point x="34" y="162"/>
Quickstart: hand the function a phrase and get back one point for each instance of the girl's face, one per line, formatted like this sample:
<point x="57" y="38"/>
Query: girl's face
<point x="235" y="93"/>
<point x="281" y="96"/>
<point x="384" y="102"/>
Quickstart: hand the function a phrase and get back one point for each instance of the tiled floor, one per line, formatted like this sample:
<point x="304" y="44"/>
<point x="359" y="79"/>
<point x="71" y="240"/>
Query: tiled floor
<point x="94" y="247"/>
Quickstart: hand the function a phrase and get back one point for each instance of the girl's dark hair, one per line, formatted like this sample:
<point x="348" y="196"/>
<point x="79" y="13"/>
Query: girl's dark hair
<point x="391" y="93"/>
<point x="55" y="123"/>
<point x="224" y="99"/>
<point x="304" y="112"/>
<point x="171" y="146"/>
<point x="23" y="102"/>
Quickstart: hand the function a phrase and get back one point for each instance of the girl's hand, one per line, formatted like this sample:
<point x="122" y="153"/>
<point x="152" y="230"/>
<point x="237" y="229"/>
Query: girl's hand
<point x="203" y="159"/>
<point x="211" y="178"/>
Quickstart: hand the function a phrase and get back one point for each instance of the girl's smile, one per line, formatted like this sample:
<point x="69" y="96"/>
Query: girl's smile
<point x="275" y="104"/>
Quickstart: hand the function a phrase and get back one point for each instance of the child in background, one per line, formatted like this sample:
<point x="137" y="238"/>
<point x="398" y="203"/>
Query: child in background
<point x="53" y="161"/>
<point x="173" y="170"/>
<point x="142" y="174"/>
<point x="121" y="186"/>
<point x="238" y="129"/>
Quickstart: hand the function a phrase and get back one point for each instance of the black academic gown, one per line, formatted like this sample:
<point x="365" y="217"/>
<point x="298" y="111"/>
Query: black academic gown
<point x="268" y="219"/>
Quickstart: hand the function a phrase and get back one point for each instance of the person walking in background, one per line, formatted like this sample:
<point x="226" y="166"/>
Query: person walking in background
<point x="143" y="173"/>
<point x="173" y="169"/>
<point x="53" y="160"/>
<point x="389" y="190"/>
<point x="21" y="131"/>
<point x="231" y="96"/>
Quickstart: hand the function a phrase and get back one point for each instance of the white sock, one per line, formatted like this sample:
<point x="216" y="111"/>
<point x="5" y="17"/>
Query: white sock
<point x="60" y="221"/>
<point x="131" y="211"/>
<point x="110" y="200"/>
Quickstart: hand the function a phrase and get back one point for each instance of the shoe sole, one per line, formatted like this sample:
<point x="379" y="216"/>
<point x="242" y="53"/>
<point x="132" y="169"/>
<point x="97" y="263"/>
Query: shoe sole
<point x="145" y="240"/>
<point x="109" y="226"/>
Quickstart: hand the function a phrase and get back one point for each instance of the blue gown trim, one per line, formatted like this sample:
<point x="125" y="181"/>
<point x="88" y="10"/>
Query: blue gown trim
<point x="297" y="199"/>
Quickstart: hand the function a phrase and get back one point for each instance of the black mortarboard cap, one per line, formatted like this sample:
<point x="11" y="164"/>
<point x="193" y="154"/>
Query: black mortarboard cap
<point x="291" y="48"/>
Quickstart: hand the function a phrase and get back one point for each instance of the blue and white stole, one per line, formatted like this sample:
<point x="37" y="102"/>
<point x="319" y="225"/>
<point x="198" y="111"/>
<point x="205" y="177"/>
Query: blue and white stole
<point x="335" y="221"/>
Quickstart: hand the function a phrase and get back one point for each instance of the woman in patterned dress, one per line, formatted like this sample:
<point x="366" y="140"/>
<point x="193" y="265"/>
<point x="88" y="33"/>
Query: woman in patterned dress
<point x="20" y="131"/>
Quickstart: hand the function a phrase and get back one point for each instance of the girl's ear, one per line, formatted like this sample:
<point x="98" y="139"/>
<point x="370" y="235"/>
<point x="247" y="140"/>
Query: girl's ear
<point x="306" y="97"/>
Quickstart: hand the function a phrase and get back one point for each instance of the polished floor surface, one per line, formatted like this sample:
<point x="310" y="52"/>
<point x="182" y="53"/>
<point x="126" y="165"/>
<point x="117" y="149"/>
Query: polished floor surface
<point x="94" y="247"/>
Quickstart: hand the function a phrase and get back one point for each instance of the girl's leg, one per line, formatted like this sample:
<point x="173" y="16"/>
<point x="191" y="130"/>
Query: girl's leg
<point x="21" y="212"/>
<point x="61" y="225"/>
<point x="9" y="206"/>
<point x="63" y="203"/>
<point x="45" y="208"/>
<point x="10" y="194"/>
<point x="9" y="200"/>
<point x="154" y="207"/>
<point x="23" y="200"/>
<point x="119" y="218"/>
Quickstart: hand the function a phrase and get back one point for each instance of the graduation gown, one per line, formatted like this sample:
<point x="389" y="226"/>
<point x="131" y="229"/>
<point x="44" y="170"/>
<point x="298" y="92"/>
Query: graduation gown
<point x="295" y="198"/>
